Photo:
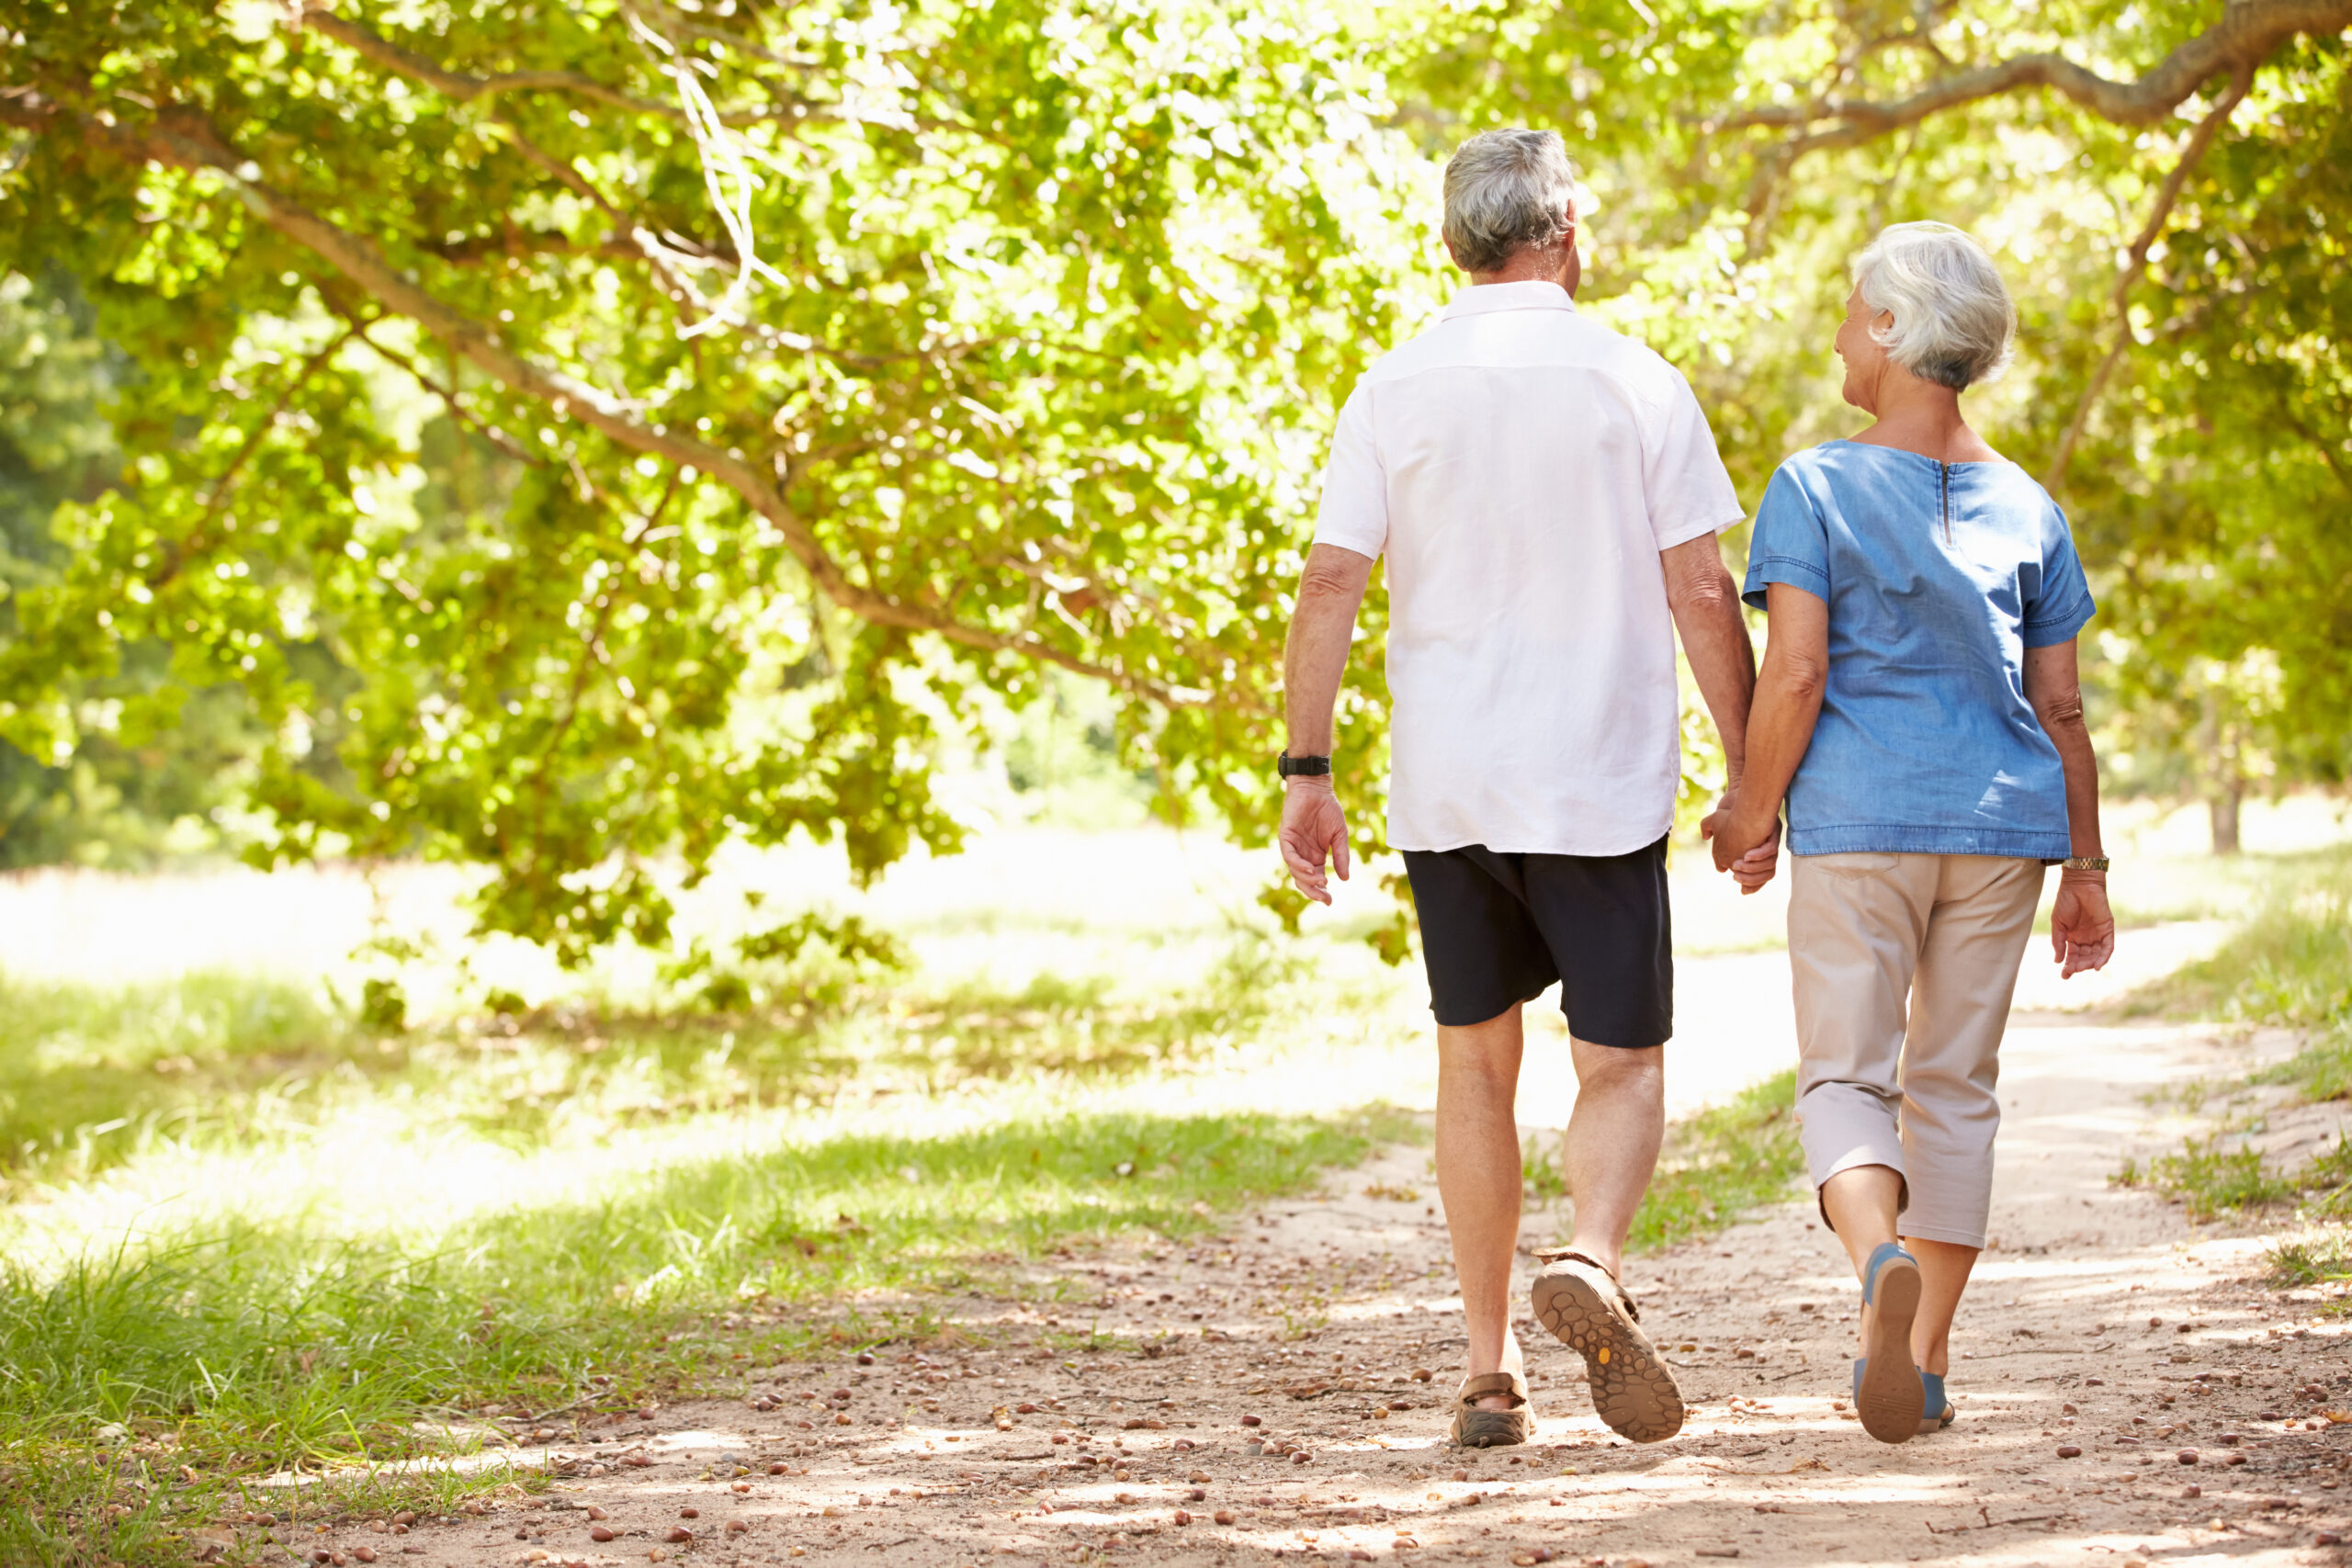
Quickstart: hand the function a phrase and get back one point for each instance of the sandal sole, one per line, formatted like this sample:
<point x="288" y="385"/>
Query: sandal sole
<point x="1892" y="1401"/>
<point x="1633" y="1391"/>
<point x="1506" y="1431"/>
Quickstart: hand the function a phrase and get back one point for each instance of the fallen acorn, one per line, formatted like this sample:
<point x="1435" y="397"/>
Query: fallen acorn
<point x="1222" y="1516"/>
<point x="2068" y="1450"/>
<point x="690" y="1513"/>
<point x="679" y="1535"/>
<point x="2234" y="1458"/>
<point x="403" y="1518"/>
<point x="1198" y="1478"/>
<point x="602" y="1532"/>
<point x="737" y="1526"/>
<point x="1253" y="1420"/>
<point x="1182" y="1517"/>
<point x="365" y="1553"/>
<point x="2187" y="1456"/>
<point x="1197" y="1495"/>
<point x="594" y="1512"/>
<point x="640" y="1461"/>
<point x="779" y="1468"/>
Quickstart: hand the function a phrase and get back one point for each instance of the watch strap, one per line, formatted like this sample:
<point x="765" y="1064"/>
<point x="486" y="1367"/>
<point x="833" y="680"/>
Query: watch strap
<point x="2085" y="863"/>
<point x="1288" y="766"/>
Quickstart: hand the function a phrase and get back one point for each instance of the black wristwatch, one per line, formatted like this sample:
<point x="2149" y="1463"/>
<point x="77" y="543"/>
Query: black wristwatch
<point x="1289" y="767"/>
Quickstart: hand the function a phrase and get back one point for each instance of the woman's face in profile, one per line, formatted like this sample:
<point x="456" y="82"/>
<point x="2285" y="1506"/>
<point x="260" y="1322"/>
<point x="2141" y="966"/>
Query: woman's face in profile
<point x="1865" y="357"/>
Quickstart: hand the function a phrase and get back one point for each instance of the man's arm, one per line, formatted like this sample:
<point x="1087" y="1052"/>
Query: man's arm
<point x="1705" y="602"/>
<point x="1780" y="726"/>
<point x="1322" y="625"/>
<point x="2082" y="928"/>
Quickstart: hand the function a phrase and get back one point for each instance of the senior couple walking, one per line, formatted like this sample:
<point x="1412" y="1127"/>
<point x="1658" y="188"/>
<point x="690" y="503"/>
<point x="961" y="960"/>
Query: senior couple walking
<point x="1547" y="495"/>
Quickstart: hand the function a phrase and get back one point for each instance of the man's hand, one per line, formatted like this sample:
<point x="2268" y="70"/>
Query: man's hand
<point x="1313" y="828"/>
<point x="2082" y="928"/>
<point x="1748" y="850"/>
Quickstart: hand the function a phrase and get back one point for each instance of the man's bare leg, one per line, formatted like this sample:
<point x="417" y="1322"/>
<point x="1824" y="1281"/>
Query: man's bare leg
<point x="1478" y="1177"/>
<point x="1614" y="1137"/>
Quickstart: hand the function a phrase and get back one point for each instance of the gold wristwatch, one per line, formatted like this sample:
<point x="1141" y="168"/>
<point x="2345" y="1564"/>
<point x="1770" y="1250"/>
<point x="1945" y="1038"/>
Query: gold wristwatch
<point x="2085" y="863"/>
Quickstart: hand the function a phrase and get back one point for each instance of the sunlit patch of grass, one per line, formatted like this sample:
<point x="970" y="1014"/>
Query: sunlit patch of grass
<point x="251" y="1349"/>
<point x="2320" y="1257"/>
<point x="91" y="1074"/>
<point x="1715" y="1168"/>
<point x="2291" y="965"/>
<point x="1721" y="1163"/>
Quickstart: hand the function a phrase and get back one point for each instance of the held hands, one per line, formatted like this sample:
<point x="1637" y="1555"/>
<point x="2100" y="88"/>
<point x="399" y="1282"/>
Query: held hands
<point x="1750" y="849"/>
<point x="1313" y="827"/>
<point x="2082" y="928"/>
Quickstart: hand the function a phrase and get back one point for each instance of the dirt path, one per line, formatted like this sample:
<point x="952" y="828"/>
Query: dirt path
<point x="2127" y="1395"/>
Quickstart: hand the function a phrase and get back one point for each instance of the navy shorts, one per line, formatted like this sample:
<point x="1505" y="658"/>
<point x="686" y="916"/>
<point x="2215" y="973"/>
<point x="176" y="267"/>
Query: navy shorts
<point x="1497" y="929"/>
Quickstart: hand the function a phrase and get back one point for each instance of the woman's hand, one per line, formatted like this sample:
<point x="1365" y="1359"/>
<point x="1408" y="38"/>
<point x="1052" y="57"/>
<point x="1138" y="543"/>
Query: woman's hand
<point x="2082" y="928"/>
<point x="1750" y="851"/>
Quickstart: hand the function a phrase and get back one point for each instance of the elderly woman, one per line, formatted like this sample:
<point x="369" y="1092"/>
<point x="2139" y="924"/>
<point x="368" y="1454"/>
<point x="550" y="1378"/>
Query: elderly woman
<point x="1918" y="708"/>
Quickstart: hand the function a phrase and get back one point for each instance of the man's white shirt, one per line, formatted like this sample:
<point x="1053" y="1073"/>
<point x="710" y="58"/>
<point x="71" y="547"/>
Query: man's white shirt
<point x="1522" y="468"/>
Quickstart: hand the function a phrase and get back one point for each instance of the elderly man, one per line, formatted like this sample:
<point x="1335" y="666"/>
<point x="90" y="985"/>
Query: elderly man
<point x="1548" y="495"/>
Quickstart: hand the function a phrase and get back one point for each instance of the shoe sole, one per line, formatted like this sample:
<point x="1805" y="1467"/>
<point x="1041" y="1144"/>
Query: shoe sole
<point x="1890" y="1400"/>
<point x="1634" y="1391"/>
<point x="1506" y="1431"/>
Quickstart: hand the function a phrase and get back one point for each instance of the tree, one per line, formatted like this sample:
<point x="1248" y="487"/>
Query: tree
<point x="835" y="358"/>
<point x="591" y="433"/>
<point x="2167" y="195"/>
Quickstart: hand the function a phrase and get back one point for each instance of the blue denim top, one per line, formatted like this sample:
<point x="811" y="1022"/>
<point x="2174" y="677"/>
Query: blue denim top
<point x="1939" y="576"/>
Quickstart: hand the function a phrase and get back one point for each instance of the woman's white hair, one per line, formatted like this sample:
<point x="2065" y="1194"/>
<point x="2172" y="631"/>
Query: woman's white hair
<point x="1505" y="191"/>
<point x="1954" y="320"/>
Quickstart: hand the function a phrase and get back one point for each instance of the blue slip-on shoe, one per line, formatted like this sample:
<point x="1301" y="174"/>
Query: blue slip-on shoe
<point x="1938" y="1413"/>
<point x="1888" y="1394"/>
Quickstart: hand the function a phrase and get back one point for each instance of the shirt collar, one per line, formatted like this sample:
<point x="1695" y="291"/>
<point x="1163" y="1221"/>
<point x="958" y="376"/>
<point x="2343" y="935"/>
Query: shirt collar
<point x="1533" y="295"/>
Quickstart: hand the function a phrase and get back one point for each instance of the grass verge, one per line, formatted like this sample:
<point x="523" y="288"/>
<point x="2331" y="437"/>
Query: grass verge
<point x="138" y="1386"/>
<point x="2289" y="964"/>
<point x="1715" y="1166"/>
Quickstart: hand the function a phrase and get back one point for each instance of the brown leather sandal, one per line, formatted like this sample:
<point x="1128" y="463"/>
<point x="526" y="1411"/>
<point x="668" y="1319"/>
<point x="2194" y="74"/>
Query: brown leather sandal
<point x="1474" y="1427"/>
<point x="1584" y="1306"/>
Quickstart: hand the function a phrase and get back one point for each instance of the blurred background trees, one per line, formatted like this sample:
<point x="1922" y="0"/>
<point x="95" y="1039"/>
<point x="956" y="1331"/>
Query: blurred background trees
<point x="570" y="438"/>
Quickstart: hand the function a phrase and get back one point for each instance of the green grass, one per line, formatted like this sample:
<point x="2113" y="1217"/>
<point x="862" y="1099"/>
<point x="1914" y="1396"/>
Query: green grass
<point x="1715" y="1166"/>
<point x="243" y="1232"/>
<point x="2289" y="964"/>
<point x="254" y="1349"/>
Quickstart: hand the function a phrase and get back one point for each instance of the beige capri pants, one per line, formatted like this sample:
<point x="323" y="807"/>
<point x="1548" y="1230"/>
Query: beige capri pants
<point x="1903" y="965"/>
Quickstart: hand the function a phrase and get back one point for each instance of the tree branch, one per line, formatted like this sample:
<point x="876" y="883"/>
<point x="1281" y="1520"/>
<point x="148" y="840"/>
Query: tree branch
<point x="382" y="50"/>
<point x="2243" y="39"/>
<point x="2158" y="216"/>
<point x="182" y="138"/>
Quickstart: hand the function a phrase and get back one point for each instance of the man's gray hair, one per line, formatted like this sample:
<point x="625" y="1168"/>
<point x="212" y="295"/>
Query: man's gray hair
<point x="1954" y="320"/>
<point x="1505" y="191"/>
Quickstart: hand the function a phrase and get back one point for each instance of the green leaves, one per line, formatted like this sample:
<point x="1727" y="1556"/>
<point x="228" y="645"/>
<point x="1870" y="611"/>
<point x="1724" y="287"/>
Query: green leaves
<point x="578" y="437"/>
<point x="1002" y="328"/>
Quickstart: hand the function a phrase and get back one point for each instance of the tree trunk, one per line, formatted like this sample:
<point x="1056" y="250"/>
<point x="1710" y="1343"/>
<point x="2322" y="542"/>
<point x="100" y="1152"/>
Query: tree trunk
<point x="2222" y="809"/>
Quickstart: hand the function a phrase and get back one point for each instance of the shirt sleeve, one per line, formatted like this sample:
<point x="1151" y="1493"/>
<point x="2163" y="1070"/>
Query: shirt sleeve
<point x="1789" y="544"/>
<point x="1690" y="494"/>
<point x="1354" y="514"/>
<point x="2063" y="607"/>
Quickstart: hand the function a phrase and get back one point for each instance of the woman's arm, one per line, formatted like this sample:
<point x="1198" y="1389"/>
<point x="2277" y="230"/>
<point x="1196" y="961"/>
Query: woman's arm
<point x="2082" y="928"/>
<point x="1780" y="726"/>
